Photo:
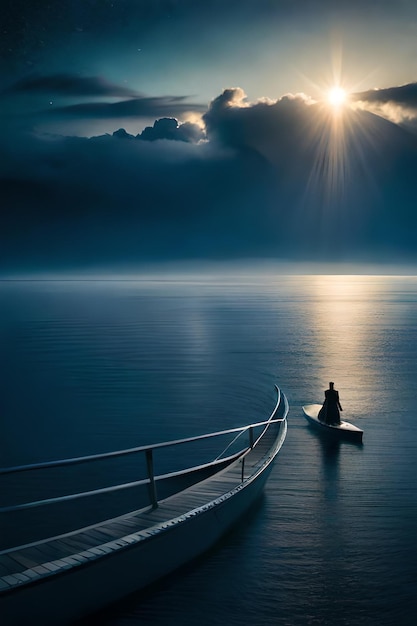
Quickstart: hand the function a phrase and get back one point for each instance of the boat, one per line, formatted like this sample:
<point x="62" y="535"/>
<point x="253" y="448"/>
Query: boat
<point x="344" y="430"/>
<point x="68" y="576"/>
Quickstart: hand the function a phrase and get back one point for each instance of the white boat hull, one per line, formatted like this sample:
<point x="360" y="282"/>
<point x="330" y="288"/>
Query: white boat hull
<point x="344" y="430"/>
<point x="67" y="597"/>
<point x="90" y="579"/>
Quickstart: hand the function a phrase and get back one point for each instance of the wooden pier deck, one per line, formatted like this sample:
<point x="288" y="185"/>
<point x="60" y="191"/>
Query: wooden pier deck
<point x="68" y="576"/>
<point x="36" y="561"/>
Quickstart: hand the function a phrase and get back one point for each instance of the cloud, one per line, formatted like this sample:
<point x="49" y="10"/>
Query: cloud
<point x="398" y="104"/>
<point x="271" y="128"/>
<point x="73" y="99"/>
<point x="70" y="85"/>
<point x="72" y="201"/>
<point x="246" y="191"/>
<point x="168" y="128"/>
<point x="144" y="107"/>
<point x="403" y="95"/>
<point x="231" y="97"/>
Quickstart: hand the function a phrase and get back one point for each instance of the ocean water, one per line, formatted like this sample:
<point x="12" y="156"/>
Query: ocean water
<point x="93" y="366"/>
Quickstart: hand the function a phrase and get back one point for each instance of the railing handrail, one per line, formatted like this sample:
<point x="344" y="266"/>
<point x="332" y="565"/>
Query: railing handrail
<point x="119" y="487"/>
<point x="116" y="453"/>
<point x="151" y="479"/>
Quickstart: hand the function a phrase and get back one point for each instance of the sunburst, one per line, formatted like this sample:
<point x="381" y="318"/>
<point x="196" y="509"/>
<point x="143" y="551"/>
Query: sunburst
<point x="337" y="97"/>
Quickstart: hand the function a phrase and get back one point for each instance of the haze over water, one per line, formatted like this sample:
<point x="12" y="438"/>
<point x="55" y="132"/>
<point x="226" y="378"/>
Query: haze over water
<point x="92" y="366"/>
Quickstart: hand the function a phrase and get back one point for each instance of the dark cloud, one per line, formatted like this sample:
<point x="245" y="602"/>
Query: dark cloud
<point x="405" y="95"/>
<point x="144" y="107"/>
<point x="123" y="134"/>
<point x="168" y="128"/>
<point x="273" y="179"/>
<point x="106" y="200"/>
<point x="61" y="87"/>
<point x="70" y="85"/>
<point x="274" y="129"/>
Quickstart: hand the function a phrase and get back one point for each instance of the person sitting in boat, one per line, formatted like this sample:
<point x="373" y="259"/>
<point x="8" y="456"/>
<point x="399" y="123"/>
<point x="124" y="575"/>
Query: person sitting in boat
<point x="329" y="412"/>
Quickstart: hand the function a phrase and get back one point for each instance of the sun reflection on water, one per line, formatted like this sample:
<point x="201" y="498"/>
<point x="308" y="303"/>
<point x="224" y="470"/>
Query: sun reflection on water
<point x="340" y="317"/>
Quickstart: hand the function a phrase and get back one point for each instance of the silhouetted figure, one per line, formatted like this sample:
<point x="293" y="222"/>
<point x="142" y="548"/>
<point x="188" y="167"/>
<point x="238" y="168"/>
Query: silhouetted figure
<point x="329" y="412"/>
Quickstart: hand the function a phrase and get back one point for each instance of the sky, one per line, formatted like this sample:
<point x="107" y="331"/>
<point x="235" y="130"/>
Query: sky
<point x="161" y="130"/>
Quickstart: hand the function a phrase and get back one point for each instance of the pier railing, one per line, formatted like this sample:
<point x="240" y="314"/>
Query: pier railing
<point x="151" y="479"/>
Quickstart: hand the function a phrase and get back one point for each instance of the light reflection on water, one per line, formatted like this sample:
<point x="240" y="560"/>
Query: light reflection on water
<point x="341" y="312"/>
<point x="101" y="365"/>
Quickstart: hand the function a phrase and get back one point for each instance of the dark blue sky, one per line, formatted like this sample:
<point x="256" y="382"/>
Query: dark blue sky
<point x="175" y="129"/>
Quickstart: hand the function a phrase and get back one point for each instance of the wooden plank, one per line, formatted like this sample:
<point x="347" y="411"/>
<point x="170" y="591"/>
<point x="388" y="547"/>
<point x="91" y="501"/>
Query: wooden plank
<point x="77" y="548"/>
<point x="51" y="566"/>
<point x="61" y="563"/>
<point x="40" y="569"/>
<point x="24" y="560"/>
<point x="122" y="529"/>
<point x="170" y="512"/>
<point x="16" y="564"/>
<point x="50" y="550"/>
<point x="36" y="554"/>
<point x="75" y="559"/>
<point x="127" y="521"/>
<point x="140" y="524"/>
<point x="99" y="535"/>
<point x="11" y="580"/>
<point x="158" y="516"/>
<point x="77" y="544"/>
<point x="65" y="548"/>
<point x="9" y="564"/>
<point x="3" y="569"/>
<point x="111" y="533"/>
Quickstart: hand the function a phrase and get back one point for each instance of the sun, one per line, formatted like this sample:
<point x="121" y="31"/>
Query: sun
<point x="337" y="97"/>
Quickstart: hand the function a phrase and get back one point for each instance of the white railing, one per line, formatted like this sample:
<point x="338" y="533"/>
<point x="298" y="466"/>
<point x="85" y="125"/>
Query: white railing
<point x="151" y="479"/>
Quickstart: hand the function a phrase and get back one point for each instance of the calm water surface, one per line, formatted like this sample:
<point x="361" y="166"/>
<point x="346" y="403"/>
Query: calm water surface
<point x="96" y="365"/>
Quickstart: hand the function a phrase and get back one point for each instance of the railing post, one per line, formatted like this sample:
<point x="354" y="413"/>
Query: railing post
<point x="243" y="470"/>
<point x="151" y="476"/>
<point x="251" y="437"/>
